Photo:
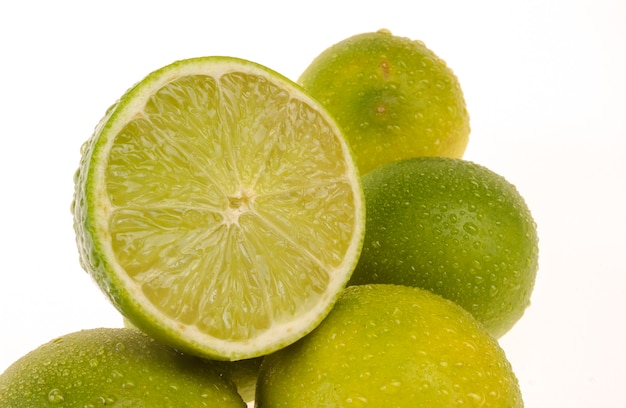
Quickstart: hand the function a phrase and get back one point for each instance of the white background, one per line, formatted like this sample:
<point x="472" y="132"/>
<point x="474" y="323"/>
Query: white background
<point x="545" y="87"/>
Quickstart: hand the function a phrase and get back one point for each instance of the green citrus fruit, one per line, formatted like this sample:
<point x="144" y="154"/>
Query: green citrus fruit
<point x="242" y="373"/>
<point x="391" y="346"/>
<point x="392" y="96"/>
<point x="219" y="208"/>
<point x="453" y="227"/>
<point x="112" y="367"/>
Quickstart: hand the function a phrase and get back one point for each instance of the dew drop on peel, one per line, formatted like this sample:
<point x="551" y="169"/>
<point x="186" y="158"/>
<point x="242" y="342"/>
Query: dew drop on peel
<point x="55" y="396"/>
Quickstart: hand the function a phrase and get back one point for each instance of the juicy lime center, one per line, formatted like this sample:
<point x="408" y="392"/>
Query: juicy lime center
<point x="238" y="205"/>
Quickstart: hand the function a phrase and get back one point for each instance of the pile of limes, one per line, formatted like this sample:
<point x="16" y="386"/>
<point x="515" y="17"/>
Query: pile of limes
<point x="319" y="243"/>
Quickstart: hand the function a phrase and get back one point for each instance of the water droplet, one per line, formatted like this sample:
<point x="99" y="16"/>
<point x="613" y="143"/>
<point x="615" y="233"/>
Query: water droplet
<point x="116" y="374"/>
<point x="55" y="396"/>
<point x="356" y="401"/>
<point x="392" y="387"/>
<point x="475" y="397"/>
<point x="478" y="279"/>
<point x="470" y="228"/>
<point x="83" y="147"/>
<point x="106" y="400"/>
<point x="470" y="346"/>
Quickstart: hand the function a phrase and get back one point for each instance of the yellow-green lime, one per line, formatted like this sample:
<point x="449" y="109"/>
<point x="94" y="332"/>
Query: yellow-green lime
<point x="453" y="227"/>
<point x="242" y="373"/>
<point x="219" y="208"/>
<point x="391" y="346"/>
<point x="393" y="97"/>
<point x="113" y="367"/>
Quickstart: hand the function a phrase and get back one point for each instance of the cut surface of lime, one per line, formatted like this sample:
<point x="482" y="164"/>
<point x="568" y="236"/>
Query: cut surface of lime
<point x="219" y="208"/>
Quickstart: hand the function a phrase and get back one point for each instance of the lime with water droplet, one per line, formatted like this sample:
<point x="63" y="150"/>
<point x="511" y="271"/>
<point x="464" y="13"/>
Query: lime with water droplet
<point x="394" y="98"/>
<point x="472" y="238"/>
<point x="391" y="346"/>
<point x="132" y="369"/>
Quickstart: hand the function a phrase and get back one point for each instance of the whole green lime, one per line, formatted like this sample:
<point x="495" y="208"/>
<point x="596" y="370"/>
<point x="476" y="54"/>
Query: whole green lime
<point x="453" y="227"/>
<point x="391" y="346"/>
<point x="112" y="367"/>
<point x="393" y="97"/>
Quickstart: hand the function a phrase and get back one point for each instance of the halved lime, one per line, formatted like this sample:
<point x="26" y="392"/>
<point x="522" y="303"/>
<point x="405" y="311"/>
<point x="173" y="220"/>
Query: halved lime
<point x="219" y="208"/>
